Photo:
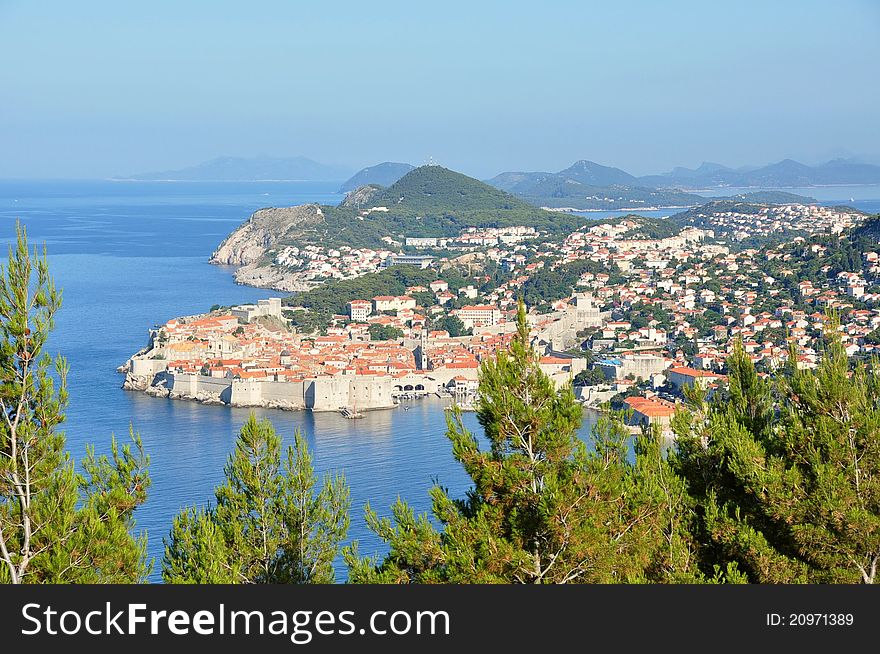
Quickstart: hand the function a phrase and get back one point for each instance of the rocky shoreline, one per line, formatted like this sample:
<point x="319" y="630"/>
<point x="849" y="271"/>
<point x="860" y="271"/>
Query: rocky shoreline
<point x="146" y="385"/>
<point x="271" y="278"/>
<point x="247" y="246"/>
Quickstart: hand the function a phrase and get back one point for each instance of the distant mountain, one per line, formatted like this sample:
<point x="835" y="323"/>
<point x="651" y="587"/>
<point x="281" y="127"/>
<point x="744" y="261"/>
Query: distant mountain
<point x="230" y="169"/>
<point x="586" y="173"/>
<point x="593" y="174"/>
<point x="383" y="174"/>
<point x="510" y="181"/>
<point x="785" y="173"/>
<point x="849" y="171"/>
<point x="586" y="185"/>
<point x="707" y="174"/>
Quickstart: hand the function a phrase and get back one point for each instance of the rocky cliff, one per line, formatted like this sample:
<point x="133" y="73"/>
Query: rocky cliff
<point x="266" y="227"/>
<point x="273" y="277"/>
<point x="361" y="196"/>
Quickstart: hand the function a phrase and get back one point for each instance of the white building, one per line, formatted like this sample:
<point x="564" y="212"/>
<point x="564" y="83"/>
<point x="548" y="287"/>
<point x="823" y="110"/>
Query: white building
<point x="359" y="310"/>
<point x="247" y="312"/>
<point x="469" y="292"/>
<point x="482" y="315"/>
<point x="421" y="242"/>
<point x="422" y="261"/>
<point x="393" y="303"/>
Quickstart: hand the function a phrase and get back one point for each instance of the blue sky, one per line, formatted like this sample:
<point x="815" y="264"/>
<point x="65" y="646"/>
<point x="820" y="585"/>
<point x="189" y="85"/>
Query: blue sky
<point x="95" y="89"/>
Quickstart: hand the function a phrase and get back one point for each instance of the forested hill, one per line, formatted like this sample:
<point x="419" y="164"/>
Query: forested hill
<point x="588" y="185"/>
<point x="436" y="201"/>
<point x="698" y="215"/>
<point x="837" y="253"/>
<point x="868" y="233"/>
<point x="428" y="201"/>
<point x="434" y="190"/>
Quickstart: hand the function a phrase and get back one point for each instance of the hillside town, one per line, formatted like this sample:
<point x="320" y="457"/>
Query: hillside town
<point x="664" y="315"/>
<point x="740" y="222"/>
<point x="313" y="264"/>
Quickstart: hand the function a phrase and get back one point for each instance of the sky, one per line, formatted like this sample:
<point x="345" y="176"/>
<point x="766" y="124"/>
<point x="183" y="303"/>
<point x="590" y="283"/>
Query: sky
<point x="95" y="89"/>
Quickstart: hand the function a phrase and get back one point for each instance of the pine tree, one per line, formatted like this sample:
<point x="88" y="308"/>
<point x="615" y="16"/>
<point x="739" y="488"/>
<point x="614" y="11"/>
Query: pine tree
<point x="789" y="473"/>
<point x="196" y="552"/>
<point x="268" y="525"/>
<point x="544" y="508"/>
<point x="56" y="525"/>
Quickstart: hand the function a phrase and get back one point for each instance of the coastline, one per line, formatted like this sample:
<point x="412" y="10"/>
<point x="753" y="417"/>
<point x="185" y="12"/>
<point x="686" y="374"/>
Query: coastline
<point x="651" y="208"/>
<point x="149" y="386"/>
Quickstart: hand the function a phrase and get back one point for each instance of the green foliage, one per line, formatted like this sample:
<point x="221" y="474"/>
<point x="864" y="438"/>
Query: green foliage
<point x="307" y="322"/>
<point x="873" y="337"/>
<point x="453" y="324"/>
<point x="268" y="525"/>
<point x="333" y="297"/>
<point x="820" y="266"/>
<point x="428" y="201"/>
<point x="699" y="215"/>
<point x="543" y="508"/>
<point x="384" y="332"/>
<point x="648" y="228"/>
<point x="590" y="377"/>
<point x="444" y="202"/>
<point x="550" y="284"/>
<point x="56" y="525"/>
<point x="788" y="474"/>
<point x="424" y="299"/>
<point x="197" y="552"/>
<point x="639" y="314"/>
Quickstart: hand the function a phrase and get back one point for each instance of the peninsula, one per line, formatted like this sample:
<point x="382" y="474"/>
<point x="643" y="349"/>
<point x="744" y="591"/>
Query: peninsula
<point x="250" y="355"/>
<point x="407" y="296"/>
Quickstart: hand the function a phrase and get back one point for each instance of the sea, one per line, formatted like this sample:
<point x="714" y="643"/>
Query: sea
<point x="130" y="255"/>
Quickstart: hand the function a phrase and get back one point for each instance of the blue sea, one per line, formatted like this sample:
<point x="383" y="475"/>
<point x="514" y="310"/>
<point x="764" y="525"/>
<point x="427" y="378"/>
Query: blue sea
<point x="129" y="255"/>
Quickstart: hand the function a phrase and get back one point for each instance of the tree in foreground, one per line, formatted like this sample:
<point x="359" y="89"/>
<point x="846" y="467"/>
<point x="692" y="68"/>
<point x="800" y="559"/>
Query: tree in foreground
<point x="268" y="524"/>
<point x="788" y="473"/>
<point x="56" y="525"/>
<point x="543" y="508"/>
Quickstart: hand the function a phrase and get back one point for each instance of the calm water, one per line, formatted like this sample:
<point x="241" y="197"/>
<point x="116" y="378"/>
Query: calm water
<point x="129" y="255"/>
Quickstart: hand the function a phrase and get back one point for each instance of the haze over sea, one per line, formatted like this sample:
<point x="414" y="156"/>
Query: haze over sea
<point x="129" y="255"/>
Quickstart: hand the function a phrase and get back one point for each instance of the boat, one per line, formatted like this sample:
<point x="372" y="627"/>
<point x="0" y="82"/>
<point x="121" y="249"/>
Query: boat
<point x="351" y="412"/>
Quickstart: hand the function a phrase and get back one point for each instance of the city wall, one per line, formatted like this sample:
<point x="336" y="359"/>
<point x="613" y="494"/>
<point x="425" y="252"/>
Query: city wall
<point x="319" y="394"/>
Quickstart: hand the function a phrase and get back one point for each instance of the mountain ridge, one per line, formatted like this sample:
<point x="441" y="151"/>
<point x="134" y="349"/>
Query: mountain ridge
<point x="779" y="174"/>
<point x="383" y="174"/>
<point x="251" y="169"/>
